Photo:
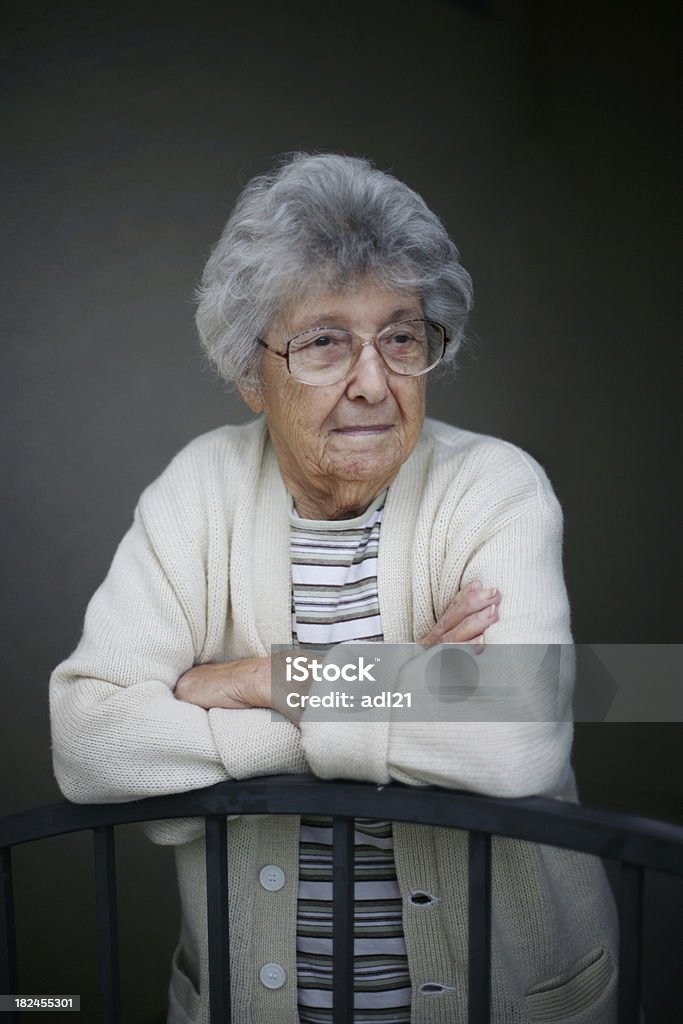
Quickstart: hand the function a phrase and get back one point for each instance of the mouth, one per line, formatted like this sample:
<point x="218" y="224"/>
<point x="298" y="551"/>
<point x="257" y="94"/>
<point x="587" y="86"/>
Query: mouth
<point x="367" y="430"/>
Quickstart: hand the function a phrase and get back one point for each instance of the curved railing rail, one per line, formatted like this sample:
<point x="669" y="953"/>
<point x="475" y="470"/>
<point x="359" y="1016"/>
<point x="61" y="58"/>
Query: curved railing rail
<point x="637" y="843"/>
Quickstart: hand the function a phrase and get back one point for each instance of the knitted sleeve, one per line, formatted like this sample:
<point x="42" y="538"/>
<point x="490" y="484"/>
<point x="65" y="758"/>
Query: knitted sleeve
<point x="510" y="536"/>
<point x="118" y="732"/>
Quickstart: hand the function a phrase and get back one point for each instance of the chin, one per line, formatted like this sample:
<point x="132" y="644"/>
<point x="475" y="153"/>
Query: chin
<point x="364" y="467"/>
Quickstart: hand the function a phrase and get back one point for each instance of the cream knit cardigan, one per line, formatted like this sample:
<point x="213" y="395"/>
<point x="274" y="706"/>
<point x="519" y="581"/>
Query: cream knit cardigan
<point x="203" y="575"/>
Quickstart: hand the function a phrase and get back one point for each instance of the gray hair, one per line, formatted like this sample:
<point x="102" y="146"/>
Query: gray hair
<point x="322" y="221"/>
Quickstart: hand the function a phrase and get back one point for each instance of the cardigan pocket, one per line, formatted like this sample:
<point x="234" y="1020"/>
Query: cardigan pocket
<point x="576" y="989"/>
<point x="184" y="997"/>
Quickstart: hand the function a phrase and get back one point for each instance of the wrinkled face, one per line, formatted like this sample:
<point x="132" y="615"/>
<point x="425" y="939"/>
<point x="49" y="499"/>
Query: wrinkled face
<point x="351" y="436"/>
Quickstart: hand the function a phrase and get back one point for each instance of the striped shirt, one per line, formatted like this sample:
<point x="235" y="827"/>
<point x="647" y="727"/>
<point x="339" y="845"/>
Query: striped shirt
<point x="334" y="598"/>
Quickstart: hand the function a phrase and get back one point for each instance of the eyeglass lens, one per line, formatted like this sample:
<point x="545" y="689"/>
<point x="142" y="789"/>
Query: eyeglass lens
<point x="325" y="355"/>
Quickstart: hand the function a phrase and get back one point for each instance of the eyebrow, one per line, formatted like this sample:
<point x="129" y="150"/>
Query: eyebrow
<point x="329" y="319"/>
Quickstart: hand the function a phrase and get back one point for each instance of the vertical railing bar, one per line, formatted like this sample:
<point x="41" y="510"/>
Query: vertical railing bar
<point x="8" y="941"/>
<point x="343" y="893"/>
<point x="107" y="923"/>
<point x="218" y="918"/>
<point x="630" y="942"/>
<point x="479" y="928"/>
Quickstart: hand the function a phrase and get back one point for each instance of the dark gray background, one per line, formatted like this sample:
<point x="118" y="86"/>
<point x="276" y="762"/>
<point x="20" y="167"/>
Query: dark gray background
<point x="542" y="134"/>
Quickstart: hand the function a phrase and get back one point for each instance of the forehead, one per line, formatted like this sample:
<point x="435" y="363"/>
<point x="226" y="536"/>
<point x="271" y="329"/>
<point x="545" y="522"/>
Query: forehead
<point x="361" y="307"/>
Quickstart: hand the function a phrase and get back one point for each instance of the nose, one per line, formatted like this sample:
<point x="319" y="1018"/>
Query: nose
<point x="369" y="377"/>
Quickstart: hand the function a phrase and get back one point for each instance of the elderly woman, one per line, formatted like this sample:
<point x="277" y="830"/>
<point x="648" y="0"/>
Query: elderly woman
<point x="338" y="514"/>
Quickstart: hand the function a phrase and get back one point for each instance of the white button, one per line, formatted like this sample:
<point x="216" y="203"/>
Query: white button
<point x="272" y="976"/>
<point x="272" y="877"/>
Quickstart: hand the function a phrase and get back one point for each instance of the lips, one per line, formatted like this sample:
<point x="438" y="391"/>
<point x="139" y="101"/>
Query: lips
<point x="364" y="428"/>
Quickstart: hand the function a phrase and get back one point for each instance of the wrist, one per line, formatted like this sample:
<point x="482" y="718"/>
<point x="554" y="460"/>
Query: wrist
<point x="288" y="690"/>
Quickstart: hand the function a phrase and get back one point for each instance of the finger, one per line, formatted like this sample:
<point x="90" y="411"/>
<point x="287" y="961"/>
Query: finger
<point x="465" y="603"/>
<point x="472" y="627"/>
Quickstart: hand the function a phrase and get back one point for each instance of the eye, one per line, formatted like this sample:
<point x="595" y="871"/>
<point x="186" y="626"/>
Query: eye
<point x="320" y="348"/>
<point x="318" y="341"/>
<point x="401" y="341"/>
<point x="404" y="338"/>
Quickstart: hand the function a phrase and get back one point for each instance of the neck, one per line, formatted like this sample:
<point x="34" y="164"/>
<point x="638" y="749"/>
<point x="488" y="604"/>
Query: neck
<point x="345" y="499"/>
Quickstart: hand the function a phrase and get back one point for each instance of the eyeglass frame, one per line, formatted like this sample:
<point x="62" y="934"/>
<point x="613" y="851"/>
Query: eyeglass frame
<point x="365" y="340"/>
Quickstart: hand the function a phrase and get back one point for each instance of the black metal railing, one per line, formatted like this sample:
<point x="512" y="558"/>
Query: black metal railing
<point x="636" y="843"/>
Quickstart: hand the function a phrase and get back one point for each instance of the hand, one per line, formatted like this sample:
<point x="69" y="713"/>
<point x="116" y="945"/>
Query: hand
<point x="228" y="684"/>
<point x="471" y="611"/>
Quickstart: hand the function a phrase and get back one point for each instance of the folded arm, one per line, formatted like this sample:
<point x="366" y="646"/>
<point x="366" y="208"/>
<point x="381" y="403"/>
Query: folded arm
<point x="118" y="731"/>
<point x="247" y="683"/>
<point x="522" y="554"/>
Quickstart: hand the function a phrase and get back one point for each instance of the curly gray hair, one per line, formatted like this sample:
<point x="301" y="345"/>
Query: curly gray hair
<point x="322" y="221"/>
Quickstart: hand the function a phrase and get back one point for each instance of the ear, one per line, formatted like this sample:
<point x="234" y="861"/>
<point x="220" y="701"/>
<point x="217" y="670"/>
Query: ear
<point x="252" y="397"/>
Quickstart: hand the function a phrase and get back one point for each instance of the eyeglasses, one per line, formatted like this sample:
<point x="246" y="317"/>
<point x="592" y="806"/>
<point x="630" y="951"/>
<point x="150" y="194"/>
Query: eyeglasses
<point x="326" y="355"/>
